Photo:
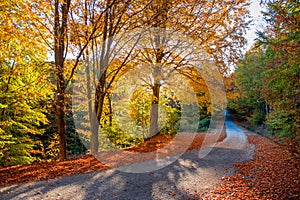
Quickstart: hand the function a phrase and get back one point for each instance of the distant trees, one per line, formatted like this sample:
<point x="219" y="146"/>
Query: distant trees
<point x="269" y="75"/>
<point x="253" y="87"/>
<point x="282" y="42"/>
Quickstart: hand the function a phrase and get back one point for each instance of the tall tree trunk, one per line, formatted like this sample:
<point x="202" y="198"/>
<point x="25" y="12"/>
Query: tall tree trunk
<point x="61" y="126"/>
<point x="92" y="114"/>
<point x="60" y="31"/>
<point x="159" y="22"/>
<point x="60" y="104"/>
<point x="154" y="130"/>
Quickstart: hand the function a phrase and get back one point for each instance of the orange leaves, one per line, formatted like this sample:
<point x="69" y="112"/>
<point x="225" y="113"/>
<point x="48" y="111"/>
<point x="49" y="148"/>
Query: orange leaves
<point x="272" y="174"/>
<point x="48" y="170"/>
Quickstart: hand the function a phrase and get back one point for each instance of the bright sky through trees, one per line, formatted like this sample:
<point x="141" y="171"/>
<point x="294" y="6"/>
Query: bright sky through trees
<point x="255" y="10"/>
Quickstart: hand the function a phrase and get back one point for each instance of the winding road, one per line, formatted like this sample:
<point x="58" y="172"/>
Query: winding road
<point x="189" y="177"/>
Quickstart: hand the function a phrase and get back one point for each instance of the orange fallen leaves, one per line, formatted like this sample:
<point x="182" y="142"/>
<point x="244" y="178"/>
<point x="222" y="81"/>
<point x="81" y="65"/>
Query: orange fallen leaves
<point x="84" y="164"/>
<point x="273" y="173"/>
<point x="49" y="170"/>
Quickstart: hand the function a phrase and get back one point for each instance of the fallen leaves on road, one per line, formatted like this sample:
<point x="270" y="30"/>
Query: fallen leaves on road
<point x="161" y="141"/>
<point x="84" y="164"/>
<point x="273" y="173"/>
<point x="49" y="170"/>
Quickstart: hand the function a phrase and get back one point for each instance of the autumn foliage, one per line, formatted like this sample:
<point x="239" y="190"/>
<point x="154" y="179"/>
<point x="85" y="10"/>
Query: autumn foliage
<point x="268" y="76"/>
<point x="273" y="173"/>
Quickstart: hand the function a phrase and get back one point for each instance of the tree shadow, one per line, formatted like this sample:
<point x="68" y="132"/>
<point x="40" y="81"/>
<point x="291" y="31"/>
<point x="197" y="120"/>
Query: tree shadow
<point x="189" y="177"/>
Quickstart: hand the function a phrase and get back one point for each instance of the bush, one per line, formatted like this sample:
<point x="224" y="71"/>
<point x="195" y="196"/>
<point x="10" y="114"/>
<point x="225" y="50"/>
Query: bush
<point x="257" y="118"/>
<point x="282" y="124"/>
<point x="203" y="125"/>
<point x="120" y="139"/>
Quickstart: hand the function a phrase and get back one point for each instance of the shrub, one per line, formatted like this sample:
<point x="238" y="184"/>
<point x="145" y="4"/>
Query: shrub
<point x="282" y="124"/>
<point x="204" y="124"/>
<point x="257" y="118"/>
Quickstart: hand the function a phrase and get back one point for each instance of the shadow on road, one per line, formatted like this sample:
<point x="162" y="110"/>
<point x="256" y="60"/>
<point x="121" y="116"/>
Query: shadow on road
<point x="187" y="178"/>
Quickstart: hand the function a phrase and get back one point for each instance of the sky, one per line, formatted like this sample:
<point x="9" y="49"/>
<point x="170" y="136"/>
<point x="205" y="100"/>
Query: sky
<point x="255" y="10"/>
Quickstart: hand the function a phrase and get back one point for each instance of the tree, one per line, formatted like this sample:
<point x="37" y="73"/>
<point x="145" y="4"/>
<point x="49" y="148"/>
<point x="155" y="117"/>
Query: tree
<point x="61" y="10"/>
<point x="62" y="32"/>
<point x="252" y="86"/>
<point x="218" y="27"/>
<point x="25" y="86"/>
<point x="78" y="24"/>
<point x="102" y="64"/>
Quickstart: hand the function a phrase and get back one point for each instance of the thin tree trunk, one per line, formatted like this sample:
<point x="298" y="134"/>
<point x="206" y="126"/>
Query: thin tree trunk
<point x="96" y="122"/>
<point x="100" y="90"/>
<point x="92" y="115"/>
<point x="91" y="111"/>
<point x="110" y="110"/>
<point x="60" y="105"/>
<point x="267" y="109"/>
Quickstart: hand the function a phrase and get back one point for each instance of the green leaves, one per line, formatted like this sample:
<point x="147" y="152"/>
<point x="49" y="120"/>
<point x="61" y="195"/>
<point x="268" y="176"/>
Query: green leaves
<point x="24" y="85"/>
<point x="269" y="75"/>
<point x="282" y="123"/>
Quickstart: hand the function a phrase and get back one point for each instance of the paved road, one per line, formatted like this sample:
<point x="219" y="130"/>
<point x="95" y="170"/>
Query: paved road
<point x="186" y="178"/>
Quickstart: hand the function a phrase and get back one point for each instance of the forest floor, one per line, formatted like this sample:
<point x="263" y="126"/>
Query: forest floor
<point x="272" y="173"/>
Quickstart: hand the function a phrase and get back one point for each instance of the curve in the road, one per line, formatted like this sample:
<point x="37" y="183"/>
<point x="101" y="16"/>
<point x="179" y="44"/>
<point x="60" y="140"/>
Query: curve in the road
<point x="190" y="177"/>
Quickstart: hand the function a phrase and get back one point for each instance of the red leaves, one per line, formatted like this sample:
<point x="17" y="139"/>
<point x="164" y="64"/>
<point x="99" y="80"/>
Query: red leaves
<point x="272" y="174"/>
<point x="49" y="170"/>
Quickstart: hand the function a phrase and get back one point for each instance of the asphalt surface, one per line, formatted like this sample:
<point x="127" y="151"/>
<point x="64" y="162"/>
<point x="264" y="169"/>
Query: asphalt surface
<point x="191" y="176"/>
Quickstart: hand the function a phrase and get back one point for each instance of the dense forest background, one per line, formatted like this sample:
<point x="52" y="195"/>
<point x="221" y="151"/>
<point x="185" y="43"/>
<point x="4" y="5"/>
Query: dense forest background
<point x="36" y="107"/>
<point x="265" y="86"/>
